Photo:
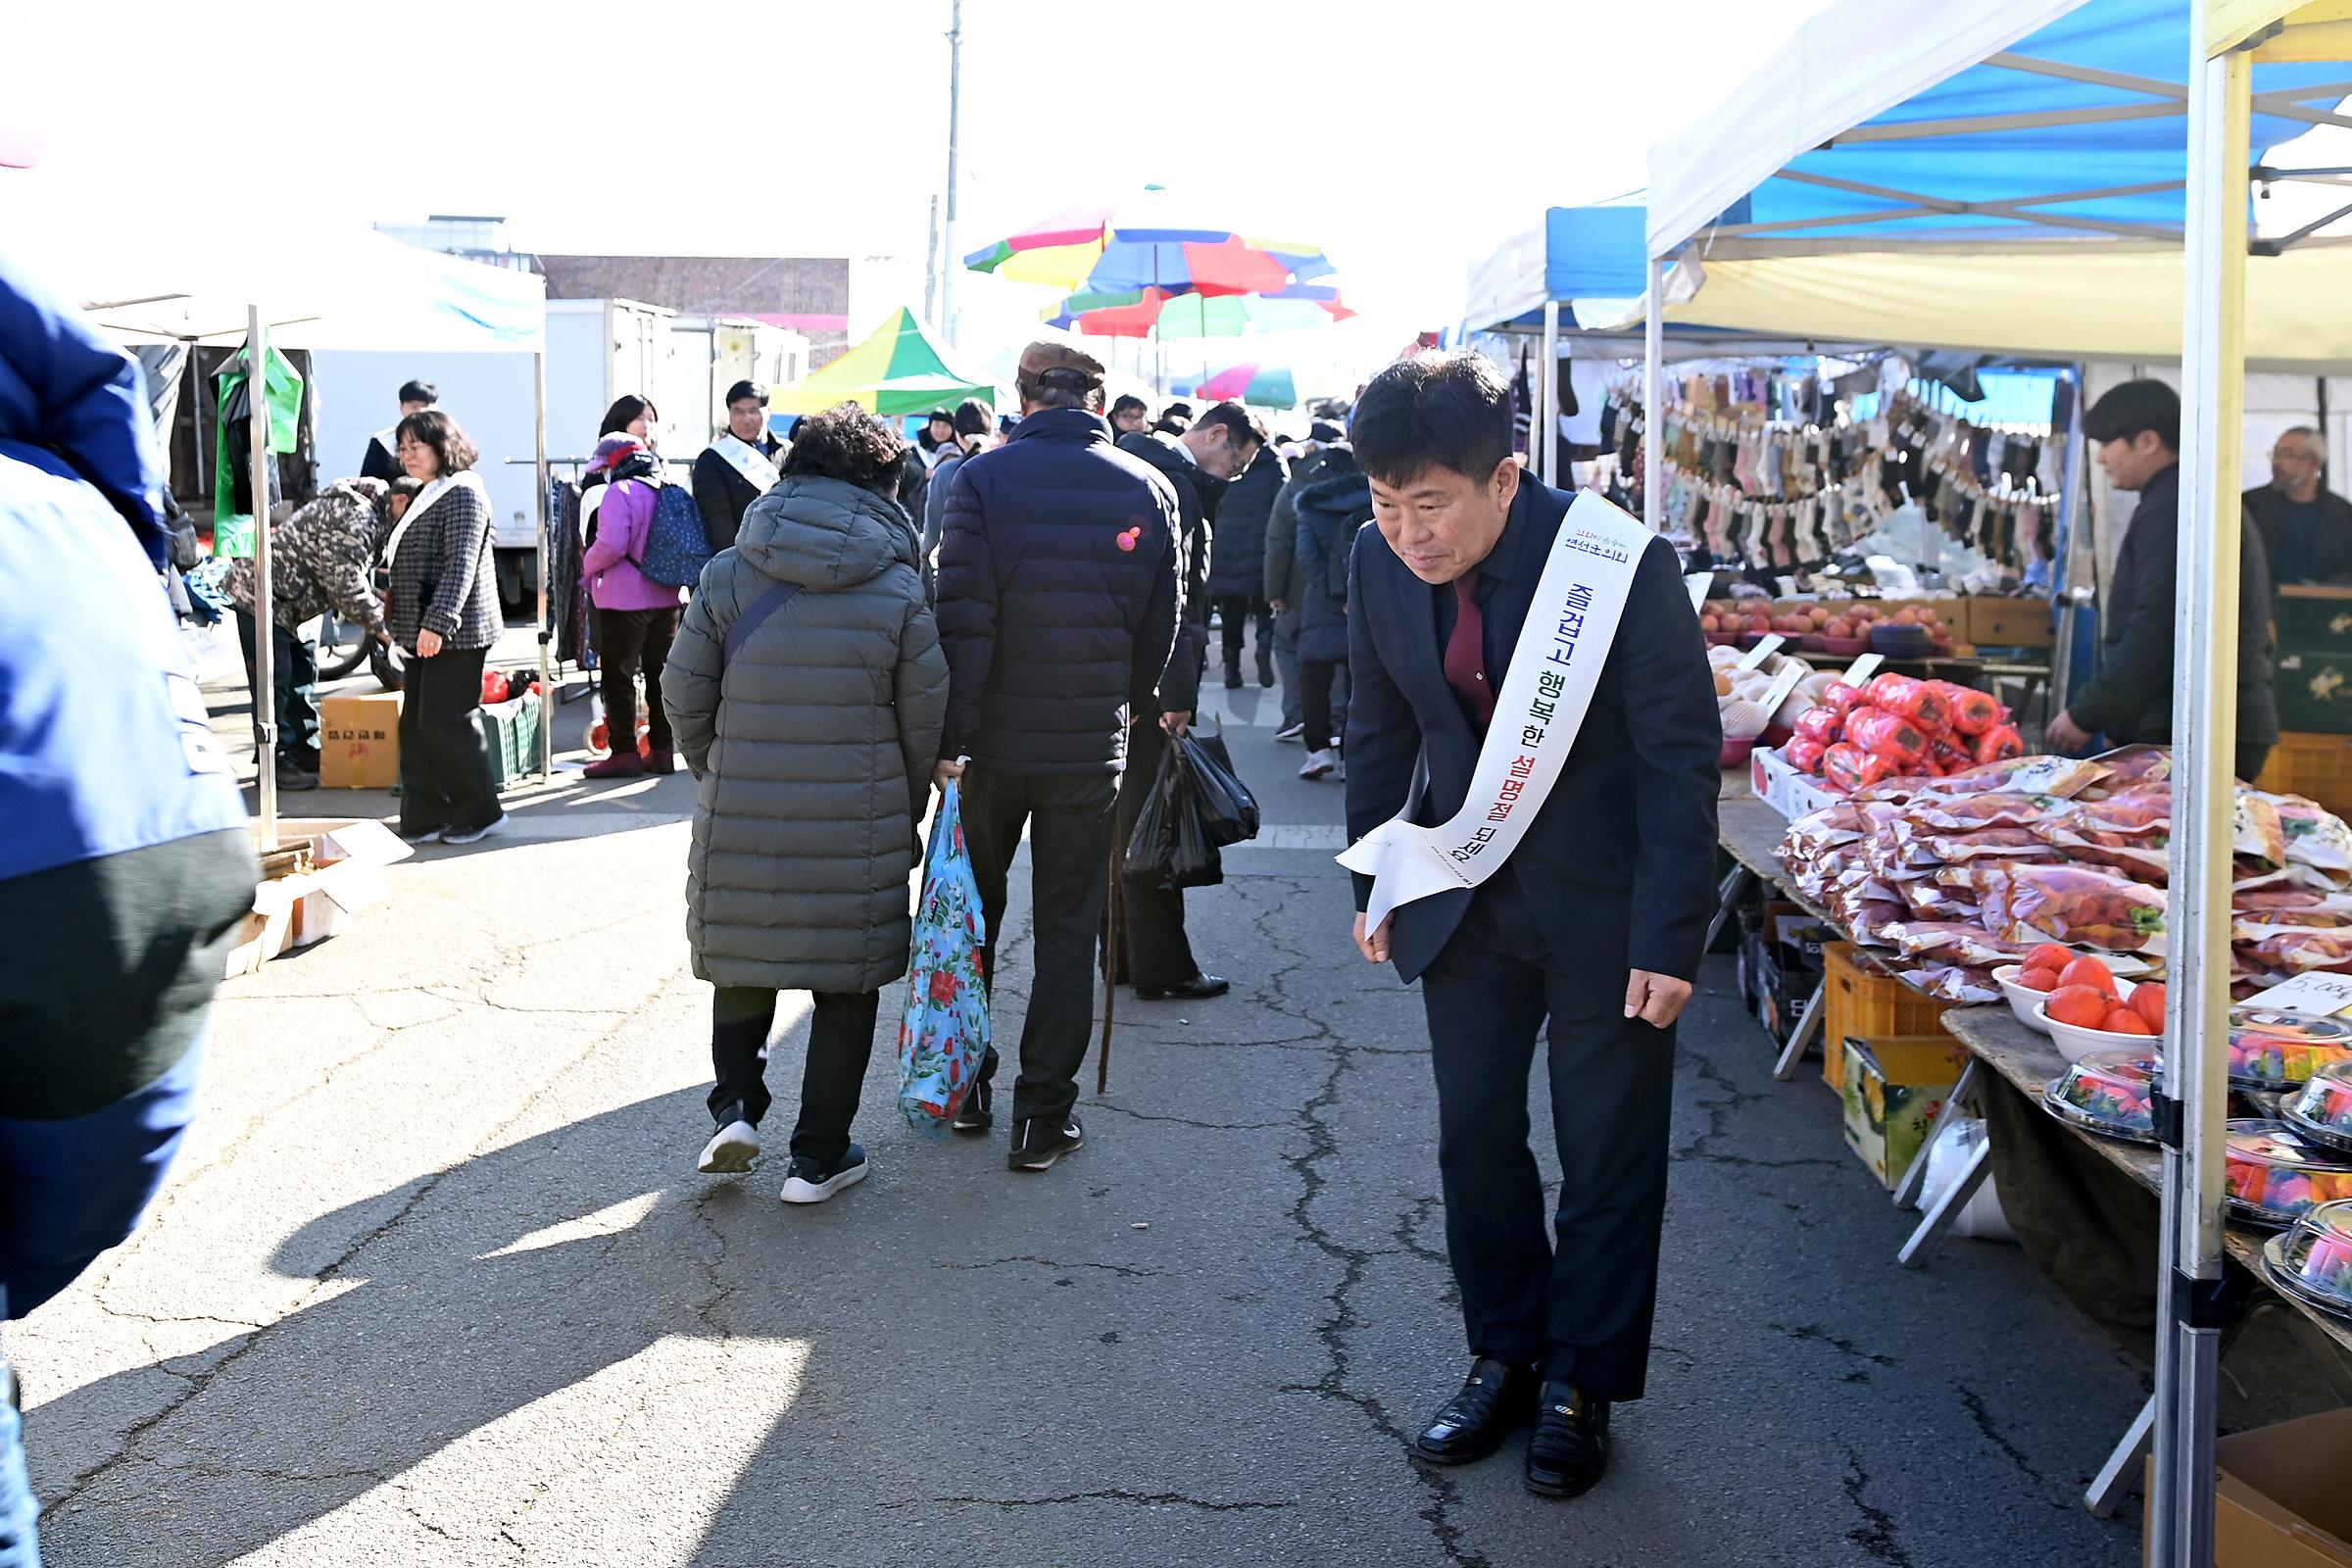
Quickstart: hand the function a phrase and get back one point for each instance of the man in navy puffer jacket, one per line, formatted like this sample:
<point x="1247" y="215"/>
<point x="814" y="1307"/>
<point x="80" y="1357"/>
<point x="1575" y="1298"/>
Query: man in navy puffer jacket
<point x="125" y="864"/>
<point x="1057" y="607"/>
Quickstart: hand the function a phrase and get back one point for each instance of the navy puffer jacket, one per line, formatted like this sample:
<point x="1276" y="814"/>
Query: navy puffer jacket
<point x="1056" y="598"/>
<point x="1330" y="510"/>
<point x="1237" y="559"/>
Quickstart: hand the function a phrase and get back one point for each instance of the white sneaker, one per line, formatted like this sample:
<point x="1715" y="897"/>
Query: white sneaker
<point x="474" y="835"/>
<point x="1318" y="763"/>
<point x="730" y="1151"/>
<point x="811" y="1183"/>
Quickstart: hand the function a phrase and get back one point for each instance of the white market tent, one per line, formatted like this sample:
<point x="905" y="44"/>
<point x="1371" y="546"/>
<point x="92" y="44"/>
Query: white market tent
<point x="145" y="278"/>
<point x="2042" y="132"/>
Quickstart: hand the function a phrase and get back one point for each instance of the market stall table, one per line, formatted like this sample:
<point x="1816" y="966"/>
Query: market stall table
<point x="1750" y="832"/>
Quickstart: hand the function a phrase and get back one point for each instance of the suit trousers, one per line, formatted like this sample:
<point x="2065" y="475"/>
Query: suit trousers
<point x="1579" y="1303"/>
<point x="1236" y="611"/>
<point x="1072" y="820"/>
<point x="1151" y="920"/>
<point x="445" y="778"/>
<point x="1285" y="661"/>
<point x="841" y="1041"/>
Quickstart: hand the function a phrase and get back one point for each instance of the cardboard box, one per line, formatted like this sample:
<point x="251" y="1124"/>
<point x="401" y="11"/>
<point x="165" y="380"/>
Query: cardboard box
<point x="358" y="741"/>
<point x="2280" y="1500"/>
<point x="2000" y="623"/>
<point x="293" y="912"/>
<point x="1893" y="1090"/>
<point x="1783" y="787"/>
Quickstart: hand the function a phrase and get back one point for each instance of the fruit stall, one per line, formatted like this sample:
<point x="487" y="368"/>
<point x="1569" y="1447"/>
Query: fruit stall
<point x="2015" y="909"/>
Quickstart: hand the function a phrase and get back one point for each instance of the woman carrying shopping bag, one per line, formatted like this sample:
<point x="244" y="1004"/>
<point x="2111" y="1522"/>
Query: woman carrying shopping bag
<point x="807" y="690"/>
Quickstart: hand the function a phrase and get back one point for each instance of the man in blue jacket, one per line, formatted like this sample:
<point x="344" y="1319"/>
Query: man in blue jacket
<point x="1587" y="935"/>
<point x="1058" y="608"/>
<point x="125" y="864"/>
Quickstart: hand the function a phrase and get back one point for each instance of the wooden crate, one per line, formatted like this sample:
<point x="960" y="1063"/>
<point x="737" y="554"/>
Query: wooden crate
<point x="2318" y="767"/>
<point x="1867" y="1004"/>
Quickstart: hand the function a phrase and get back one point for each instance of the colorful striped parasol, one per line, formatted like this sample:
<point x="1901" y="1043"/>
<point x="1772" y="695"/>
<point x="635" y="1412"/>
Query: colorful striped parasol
<point x="1268" y="386"/>
<point x="900" y="370"/>
<point x="1299" y="306"/>
<point x="1150" y="240"/>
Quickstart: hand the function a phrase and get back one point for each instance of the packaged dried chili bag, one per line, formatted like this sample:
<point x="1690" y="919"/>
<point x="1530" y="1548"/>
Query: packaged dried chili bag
<point x="1848" y="767"/>
<point x="1888" y="735"/>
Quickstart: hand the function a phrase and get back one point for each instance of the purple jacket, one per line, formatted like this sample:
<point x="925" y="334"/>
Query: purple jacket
<point x="609" y="568"/>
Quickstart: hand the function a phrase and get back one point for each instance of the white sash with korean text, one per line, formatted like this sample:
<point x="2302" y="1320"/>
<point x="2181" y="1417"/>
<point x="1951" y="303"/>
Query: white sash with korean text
<point x="1555" y="668"/>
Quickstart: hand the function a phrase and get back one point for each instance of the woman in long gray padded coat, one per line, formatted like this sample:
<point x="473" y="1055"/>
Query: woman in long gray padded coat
<point x="812" y="742"/>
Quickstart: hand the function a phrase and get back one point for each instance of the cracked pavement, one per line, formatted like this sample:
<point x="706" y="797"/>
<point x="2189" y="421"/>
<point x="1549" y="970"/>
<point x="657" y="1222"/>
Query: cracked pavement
<point x="436" y="1283"/>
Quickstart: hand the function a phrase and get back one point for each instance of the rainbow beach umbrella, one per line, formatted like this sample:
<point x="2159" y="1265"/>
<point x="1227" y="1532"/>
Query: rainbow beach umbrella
<point x="901" y="368"/>
<point x="1150" y="241"/>
<point x="1268" y="386"/>
<point x="1299" y="306"/>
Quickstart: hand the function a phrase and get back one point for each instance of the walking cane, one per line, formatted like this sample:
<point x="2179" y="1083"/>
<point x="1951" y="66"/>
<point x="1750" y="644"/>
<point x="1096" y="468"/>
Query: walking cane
<point x="1110" y="972"/>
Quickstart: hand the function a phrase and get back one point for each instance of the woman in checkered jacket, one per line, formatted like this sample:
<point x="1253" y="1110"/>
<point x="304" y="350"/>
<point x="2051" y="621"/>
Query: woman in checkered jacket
<point x="443" y="610"/>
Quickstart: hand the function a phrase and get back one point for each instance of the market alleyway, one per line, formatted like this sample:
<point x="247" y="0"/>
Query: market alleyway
<point x="437" y="1282"/>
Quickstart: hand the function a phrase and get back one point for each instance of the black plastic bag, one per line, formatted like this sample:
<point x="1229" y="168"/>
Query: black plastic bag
<point x="1228" y="810"/>
<point x="1170" y="845"/>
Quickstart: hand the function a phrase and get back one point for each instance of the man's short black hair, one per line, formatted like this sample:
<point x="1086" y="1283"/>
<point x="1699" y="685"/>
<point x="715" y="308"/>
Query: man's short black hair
<point x="746" y="389"/>
<point x="2133" y="407"/>
<point x="1431" y="409"/>
<point x="1177" y="411"/>
<point x="1128" y="399"/>
<point x="1239" y="422"/>
<point x="419" y="392"/>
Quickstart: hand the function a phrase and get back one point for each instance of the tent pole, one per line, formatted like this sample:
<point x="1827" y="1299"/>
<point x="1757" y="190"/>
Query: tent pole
<point x="2205" y="724"/>
<point x="264" y="608"/>
<point x="1547" y="393"/>
<point x="547" y="684"/>
<point x="1653" y="399"/>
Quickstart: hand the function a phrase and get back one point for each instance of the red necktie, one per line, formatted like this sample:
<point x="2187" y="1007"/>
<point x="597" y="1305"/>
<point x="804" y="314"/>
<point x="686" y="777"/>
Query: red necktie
<point x="1466" y="653"/>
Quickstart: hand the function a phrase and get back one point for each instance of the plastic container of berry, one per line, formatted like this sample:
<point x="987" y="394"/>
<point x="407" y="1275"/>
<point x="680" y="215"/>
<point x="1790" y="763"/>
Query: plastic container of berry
<point x="2321" y="1110"/>
<point x="2274" y="1051"/>
<point x="2312" y="1261"/>
<point x="2112" y="1092"/>
<point x="2274" y="1175"/>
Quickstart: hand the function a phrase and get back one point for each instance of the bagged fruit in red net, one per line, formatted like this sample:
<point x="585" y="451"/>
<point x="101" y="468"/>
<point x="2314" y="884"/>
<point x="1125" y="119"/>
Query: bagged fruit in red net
<point x="2070" y="903"/>
<point x="1804" y="755"/>
<point x="1972" y="712"/>
<point x="1849" y="767"/>
<point x="1821" y="727"/>
<point x="2000" y="744"/>
<point x="1888" y="735"/>
<point x="1841" y="698"/>
<point x="1913" y="699"/>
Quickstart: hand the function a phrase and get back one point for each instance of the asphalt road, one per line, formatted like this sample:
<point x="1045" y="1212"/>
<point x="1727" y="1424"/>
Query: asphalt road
<point x="435" y="1281"/>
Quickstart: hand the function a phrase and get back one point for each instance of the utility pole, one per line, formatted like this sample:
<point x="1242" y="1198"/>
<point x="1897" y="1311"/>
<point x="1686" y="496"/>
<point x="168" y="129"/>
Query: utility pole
<point x="950" y="263"/>
<point x="931" y="267"/>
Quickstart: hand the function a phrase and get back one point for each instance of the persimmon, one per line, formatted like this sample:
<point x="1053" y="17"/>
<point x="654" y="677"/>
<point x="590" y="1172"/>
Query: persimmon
<point x="2147" y="1000"/>
<point x="2084" y="1007"/>
<point x="2050" y="955"/>
<point x="2122" y="1021"/>
<point x="2089" y="972"/>
<point x="2038" y="979"/>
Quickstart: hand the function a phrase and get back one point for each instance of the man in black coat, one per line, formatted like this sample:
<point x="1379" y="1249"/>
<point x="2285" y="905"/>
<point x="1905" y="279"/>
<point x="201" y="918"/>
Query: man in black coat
<point x="1237" y="564"/>
<point x="381" y="460"/>
<point x="2306" y="528"/>
<point x="737" y="469"/>
<point x="1057" y="606"/>
<point x="2136" y="431"/>
<point x="1197" y="465"/>
<point x="1594" y="921"/>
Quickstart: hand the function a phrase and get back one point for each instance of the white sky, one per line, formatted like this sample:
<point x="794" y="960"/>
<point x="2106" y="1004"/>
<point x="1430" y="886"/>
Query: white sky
<point x="1409" y="139"/>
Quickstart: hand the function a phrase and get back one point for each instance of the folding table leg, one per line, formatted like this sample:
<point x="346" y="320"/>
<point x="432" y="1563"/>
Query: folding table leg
<point x="1906" y="1191"/>
<point x="1726" y="898"/>
<point x="1802" y="1036"/>
<point x="2114" y="1479"/>
<point x="1947" y="1207"/>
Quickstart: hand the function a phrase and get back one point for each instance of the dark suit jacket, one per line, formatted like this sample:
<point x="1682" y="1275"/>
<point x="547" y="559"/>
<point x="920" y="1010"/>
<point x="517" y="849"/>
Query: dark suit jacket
<point x="1619" y="865"/>
<point x="2330" y="547"/>
<point x="722" y="496"/>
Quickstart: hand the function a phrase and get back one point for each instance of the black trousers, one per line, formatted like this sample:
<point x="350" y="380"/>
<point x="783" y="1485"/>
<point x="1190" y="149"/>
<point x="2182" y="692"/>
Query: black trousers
<point x="1579" y="1303"/>
<point x="1071" y="819"/>
<point x="2252" y="758"/>
<point x="1315" y="681"/>
<point x="636" y="639"/>
<point x="1237" y="610"/>
<point x="294" y="700"/>
<point x="445" y="778"/>
<point x="1151" y="920"/>
<point x="841" y="1042"/>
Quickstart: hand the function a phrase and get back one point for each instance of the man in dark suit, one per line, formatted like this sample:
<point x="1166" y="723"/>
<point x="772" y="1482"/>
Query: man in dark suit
<point x="1587" y="935"/>
<point x="737" y="469"/>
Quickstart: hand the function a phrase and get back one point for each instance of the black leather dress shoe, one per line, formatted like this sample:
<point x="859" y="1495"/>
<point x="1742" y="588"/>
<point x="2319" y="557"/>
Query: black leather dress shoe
<point x="1200" y="988"/>
<point x="1569" y="1447"/>
<point x="1495" y="1401"/>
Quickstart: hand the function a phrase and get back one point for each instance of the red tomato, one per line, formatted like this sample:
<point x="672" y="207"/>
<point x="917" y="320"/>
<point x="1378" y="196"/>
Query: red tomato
<point x="2089" y="972"/>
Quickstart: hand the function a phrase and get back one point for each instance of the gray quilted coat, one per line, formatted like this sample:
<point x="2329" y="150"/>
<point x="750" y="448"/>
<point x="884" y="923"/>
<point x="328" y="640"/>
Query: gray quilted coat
<point x="814" y="747"/>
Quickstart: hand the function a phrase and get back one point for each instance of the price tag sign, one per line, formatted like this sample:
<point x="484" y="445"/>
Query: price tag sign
<point x="2315" y="994"/>
<point x="1755" y="656"/>
<point x="1698" y="582"/>
<point x="1782" y="685"/>
<point x="1861" y="670"/>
